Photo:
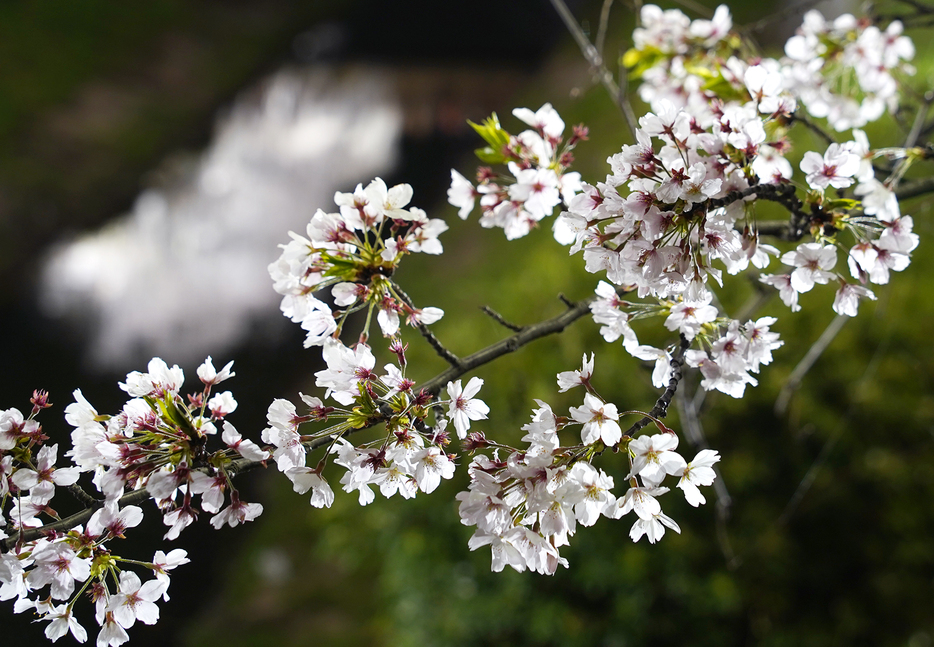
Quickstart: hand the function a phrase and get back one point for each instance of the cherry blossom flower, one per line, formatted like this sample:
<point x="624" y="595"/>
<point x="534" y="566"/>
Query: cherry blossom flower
<point x="463" y="406"/>
<point x="114" y="520"/>
<point x="846" y="300"/>
<point x="462" y="194"/>
<point x="813" y="263"/>
<point x="135" y="600"/>
<point x="236" y="513"/>
<point x="545" y="119"/>
<point x="654" y="457"/>
<point x="431" y="465"/>
<point x="42" y="481"/>
<point x="569" y="379"/>
<point x="210" y="376"/>
<point x="698" y="472"/>
<point x="62" y="622"/>
<point x="58" y="564"/>
<point x="600" y="421"/>
<point x="304" y="479"/>
<point x="836" y="168"/>
<point x="653" y="528"/>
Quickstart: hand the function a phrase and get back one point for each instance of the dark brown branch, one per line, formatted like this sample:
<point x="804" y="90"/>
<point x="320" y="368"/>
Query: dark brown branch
<point x="510" y="344"/>
<point x="660" y="410"/>
<point x="433" y="341"/>
<point x="66" y="524"/>
<point x="814" y="128"/>
<point x="783" y="194"/>
<point x="498" y="318"/>
<point x="775" y="228"/>
<point x="86" y="499"/>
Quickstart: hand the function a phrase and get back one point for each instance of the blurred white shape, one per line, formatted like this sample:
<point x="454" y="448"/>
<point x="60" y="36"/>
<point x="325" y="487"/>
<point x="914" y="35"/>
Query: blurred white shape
<point x="183" y="275"/>
<point x="273" y="565"/>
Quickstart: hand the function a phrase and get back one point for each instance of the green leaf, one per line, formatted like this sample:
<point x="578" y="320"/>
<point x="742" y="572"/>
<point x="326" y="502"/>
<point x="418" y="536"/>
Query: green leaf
<point x="638" y="61"/>
<point x="488" y="155"/>
<point x="492" y="133"/>
<point x="841" y="203"/>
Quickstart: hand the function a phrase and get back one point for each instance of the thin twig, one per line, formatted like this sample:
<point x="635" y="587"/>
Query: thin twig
<point x="814" y="352"/>
<point x="787" y="12"/>
<point x="595" y="58"/>
<point x="814" y="128"/>
<point x="510" y="344"/>
<point x="498" y="318"/>
<point x="604" y="23"/>
<point x="916" y="188"/>
<point x="694" y="431"/>
<point x="433" y="341"/>
<point x="843" y="424"/>
<point x="918" y="124"/>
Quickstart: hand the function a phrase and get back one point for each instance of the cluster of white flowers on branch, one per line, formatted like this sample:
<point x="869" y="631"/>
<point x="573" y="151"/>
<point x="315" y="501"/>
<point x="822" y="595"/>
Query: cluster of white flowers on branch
<point x="677" y="208"/>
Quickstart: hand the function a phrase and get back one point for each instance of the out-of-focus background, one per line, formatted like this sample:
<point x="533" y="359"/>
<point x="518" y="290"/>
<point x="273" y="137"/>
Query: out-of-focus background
<point x="152" y="156"/>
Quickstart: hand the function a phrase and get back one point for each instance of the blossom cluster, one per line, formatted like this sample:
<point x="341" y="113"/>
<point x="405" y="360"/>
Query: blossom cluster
<point x="679" y="205"/>
<point x="409" y="456"/>
<point x="526" y="504"/>
<point x="844" y="69"/>
<point x="537" y="181"/>
<point x="355" y="252"/>
<point x="41" y="573"/>
<point x="158" y="441"/>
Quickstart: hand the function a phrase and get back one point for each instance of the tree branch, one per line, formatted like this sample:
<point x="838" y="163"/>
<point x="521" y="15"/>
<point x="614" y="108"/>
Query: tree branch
<point x="595" y="58"/>
<point x="814" y="128"/>
<point x="526" y="335"/>
<point x="791" y="10"/>
<point x="660" y="410"/>
<point x="510" y="344"/>
<point x="916" y="188"/>
<point x="783" y="194"/>
<point x="435" y="343"/>
<point x="498" y="318"/>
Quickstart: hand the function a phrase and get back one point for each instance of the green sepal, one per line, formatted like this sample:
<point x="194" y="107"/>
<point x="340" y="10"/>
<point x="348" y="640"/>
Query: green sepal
<point x="101" y="563"/>
<point x="341" y="267"/>
<point x="171" y="413"/>
<point x="845" y="204"/>
<point x="358" y="419"/>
